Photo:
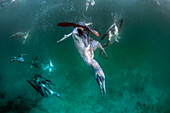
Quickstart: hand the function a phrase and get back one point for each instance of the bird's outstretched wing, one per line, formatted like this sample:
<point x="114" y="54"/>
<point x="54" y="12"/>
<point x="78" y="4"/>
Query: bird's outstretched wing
<point x="33" y="85"/>
<point x="110" y="28"/>
<point x="120" y="24"/>
<point x="67" y="24"/>
<point x="78" y="25"/>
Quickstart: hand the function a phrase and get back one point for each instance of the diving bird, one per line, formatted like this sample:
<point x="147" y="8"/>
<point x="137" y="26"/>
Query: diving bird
<point x="49" y="67"/>
<point x="34" y="63"/>
<point x="20" y="36"/>
<point x="19" y="58"/>
<point x="113" y="34"/>
<point x="13" y="1"/>
<point x="42" y="85"/>
<point x="86" y="47"/>
<point x="88" y="2"/>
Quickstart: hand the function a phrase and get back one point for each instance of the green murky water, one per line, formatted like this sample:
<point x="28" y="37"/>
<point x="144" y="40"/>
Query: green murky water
<point x="137" y="69"/>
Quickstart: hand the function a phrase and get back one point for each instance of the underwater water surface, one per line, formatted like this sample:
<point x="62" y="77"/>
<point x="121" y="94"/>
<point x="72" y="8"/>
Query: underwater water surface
<point x="137" y="69"/>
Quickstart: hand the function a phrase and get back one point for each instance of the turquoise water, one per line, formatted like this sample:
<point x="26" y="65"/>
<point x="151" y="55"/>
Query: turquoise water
<point x="136" y="71"/>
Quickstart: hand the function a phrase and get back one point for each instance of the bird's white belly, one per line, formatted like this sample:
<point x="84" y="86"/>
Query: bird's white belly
<point x="79" y="43"/>
<point x="82" y="49"/>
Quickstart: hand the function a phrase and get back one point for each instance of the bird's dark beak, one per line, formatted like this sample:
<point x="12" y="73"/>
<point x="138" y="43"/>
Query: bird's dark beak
<point x="101" y="81"/>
